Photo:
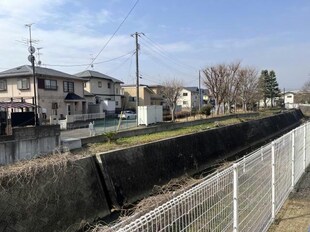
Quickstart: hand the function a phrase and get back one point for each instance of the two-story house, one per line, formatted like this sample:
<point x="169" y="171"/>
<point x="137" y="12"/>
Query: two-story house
<point x="146" y="96"/>
<point x="102" y="92"/>
<point x="189" y="98"/>
<point x="57" y="93"/>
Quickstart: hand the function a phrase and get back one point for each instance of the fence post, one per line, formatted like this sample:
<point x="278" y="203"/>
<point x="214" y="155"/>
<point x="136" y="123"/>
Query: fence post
<point x="293" y="158"/>
<point x="235" y="198"/>
<point x="304" y="147"/>
<point x="273" y="182"/>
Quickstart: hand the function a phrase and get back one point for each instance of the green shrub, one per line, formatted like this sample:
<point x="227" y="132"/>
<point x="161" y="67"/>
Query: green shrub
<point x="110" y="136"/>
<point x="206" y="109"/>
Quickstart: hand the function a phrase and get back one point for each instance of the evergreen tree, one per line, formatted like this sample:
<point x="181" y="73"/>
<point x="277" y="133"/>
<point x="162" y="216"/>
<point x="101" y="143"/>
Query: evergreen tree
<point x="269" y="86"/>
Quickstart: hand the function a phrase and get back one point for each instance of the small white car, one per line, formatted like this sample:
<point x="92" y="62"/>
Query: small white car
<point x="127" y="114"/>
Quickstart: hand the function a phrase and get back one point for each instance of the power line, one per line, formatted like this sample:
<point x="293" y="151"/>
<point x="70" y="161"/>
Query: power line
<point x="106" y="44"/>
<point x="121" y="64"/>
<point x="158" y="60"/>
<point x="165" y="53"/>
<point x="99" y="62"/>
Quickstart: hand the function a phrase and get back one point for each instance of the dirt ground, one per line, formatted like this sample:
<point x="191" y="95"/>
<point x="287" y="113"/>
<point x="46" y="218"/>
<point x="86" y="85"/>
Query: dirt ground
<point x="295" y="213"/>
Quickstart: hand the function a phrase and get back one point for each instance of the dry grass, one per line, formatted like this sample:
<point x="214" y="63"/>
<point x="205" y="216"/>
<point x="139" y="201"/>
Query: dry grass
<point x="159" y="196"/>
<point x="25" y="171"/>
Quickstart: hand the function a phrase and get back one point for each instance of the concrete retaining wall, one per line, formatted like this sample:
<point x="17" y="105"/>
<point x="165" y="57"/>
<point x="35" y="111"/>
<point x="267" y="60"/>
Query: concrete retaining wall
<point x="52" y="198"/>
<point x="28" y="142"/>
<point x="130" y="174"/>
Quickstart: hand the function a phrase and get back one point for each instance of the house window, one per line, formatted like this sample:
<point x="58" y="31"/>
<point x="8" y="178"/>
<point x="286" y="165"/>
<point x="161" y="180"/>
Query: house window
<point x="185" y="102"/>
<point x="99" y="84"/>
<point x="109" y="85"/>
<point x="69" y="86"/>
<point x="23" y="84"/>
<point x="290" y="96"/>
<point x="3" y="85"/>
<point x="116" y="91"/>
<point x="184" y="94"/>
<point x="131" y="99"/>
<point x="50" y="84"/>
<point x="54" y="105"/>
<point x="116" y="103"/>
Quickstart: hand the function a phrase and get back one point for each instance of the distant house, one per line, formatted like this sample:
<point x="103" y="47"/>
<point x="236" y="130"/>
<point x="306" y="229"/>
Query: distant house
<point x="289" y="97"/>
<point x="58" y="93"/>
<point x="146" y="96"/>
<point x="102" y="92"/>
<point x="190" y="98"/>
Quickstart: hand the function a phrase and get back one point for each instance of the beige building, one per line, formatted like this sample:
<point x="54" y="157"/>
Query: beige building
<point x="58" y="93"/>
<point x="146" y="96"/>
<point x="102" y="92"/>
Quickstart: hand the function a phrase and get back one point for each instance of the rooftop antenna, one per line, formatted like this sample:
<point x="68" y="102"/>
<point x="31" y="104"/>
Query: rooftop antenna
<point x="31" y="59"/>
<point x="38" y="55"/>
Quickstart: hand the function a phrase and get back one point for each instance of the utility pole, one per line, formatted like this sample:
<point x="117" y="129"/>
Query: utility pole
<point x="31" y="58"/>
<point x="136" y="35"/>
<point x="199" y="93"/>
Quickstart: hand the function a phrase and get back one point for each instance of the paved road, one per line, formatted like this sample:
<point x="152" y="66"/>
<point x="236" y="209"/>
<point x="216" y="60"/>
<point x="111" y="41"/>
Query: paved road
<point x="101" y="126"/>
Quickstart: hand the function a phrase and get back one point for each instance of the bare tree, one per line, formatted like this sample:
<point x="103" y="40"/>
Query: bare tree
<point x="306" y="87"/>
<point x="248" y="86"/>
<point x="232" y="84"/>
<point x="171" y="92"/>
<point x="303" y="96"/>
<point x="222" y="82"/>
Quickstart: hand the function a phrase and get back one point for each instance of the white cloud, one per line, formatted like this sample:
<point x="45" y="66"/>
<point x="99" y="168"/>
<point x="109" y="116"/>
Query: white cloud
<point x="66" y="39"/>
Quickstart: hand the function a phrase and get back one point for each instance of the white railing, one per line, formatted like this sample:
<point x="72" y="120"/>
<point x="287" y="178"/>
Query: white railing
<point x="244" y="197"/>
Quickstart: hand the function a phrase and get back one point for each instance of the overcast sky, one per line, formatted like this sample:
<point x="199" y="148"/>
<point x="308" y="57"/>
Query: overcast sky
<point x="181" y="36"/>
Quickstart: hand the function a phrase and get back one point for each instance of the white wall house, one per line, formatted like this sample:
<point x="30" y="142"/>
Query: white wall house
<point x="190" y="97"/>
<point x="102" y="92"/>
<point x="289" y="97"/>
<point x="57" y="93"/>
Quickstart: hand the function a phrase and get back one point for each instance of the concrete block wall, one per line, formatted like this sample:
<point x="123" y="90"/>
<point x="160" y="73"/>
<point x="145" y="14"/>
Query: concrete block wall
<point x="28" y="142"/>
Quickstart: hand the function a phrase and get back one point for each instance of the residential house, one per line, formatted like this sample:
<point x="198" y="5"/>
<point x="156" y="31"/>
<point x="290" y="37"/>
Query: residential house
<point x="289" y="97"/>
<point x="146" y="96"/>
<point x="57" y="93"/>
<point x="190" y="97"/>
<point x="102" y="92"/>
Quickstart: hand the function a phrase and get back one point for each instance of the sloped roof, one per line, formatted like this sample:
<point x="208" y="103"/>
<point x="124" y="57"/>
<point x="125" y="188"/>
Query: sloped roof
<point x="26" y="70"/>
<point x="73" y="96"/>
<point x="192" y="89"/>
<point x="90" y="73"/>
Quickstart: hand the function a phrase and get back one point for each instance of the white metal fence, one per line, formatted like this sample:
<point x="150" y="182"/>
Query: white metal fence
<point x="244" y="197"/>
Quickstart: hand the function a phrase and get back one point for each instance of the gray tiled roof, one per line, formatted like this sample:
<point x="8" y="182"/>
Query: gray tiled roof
<point x="90" y="73"/>
<point x="192" y="89"/>
<point x="26" y="70"/>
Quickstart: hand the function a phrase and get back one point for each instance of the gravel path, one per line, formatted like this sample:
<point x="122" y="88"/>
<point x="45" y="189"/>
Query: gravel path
<point x="295" y="213"/>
